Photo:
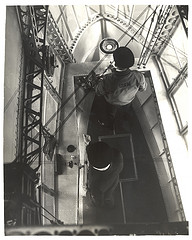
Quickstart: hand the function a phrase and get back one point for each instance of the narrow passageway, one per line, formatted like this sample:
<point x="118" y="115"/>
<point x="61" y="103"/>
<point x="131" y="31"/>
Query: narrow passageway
<point x="138" y="197"/>
<point x="61" y="56"/>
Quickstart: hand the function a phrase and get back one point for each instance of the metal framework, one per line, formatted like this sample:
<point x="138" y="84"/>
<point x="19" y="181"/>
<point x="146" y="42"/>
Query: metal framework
<point x="57" y="42"/>
<point x="183" y="13"/>
<point x="160" y="34"/>
<point x="53" y="92"/>
<point x="171" y="89"/>
<point x="33" y="23"/>
<point x="121" y="24"/>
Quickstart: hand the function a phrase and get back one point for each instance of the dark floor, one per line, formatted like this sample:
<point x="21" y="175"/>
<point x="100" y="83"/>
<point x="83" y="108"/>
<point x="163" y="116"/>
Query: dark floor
<point x="142" y="196"/>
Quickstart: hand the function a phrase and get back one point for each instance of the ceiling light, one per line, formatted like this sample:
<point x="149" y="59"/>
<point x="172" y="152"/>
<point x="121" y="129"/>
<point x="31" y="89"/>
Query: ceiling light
<point x="108" y="45"/>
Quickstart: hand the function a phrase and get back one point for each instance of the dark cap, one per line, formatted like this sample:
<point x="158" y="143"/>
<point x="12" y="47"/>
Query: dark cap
<point x="123" y="57"/>
<point x="99" y="154"/>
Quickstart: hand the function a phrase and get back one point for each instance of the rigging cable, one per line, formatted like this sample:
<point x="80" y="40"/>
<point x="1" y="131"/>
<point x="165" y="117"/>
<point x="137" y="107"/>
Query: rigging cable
<point x="76" y="89"/>
<point x="146" y="38"/>
<point x="165" y="16"/>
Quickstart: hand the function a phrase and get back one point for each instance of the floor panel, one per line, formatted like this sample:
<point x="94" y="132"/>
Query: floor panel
<point x="141" y="199"/>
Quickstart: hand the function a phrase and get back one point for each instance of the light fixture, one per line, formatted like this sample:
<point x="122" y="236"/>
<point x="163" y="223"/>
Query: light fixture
<point x="108" y="45"/>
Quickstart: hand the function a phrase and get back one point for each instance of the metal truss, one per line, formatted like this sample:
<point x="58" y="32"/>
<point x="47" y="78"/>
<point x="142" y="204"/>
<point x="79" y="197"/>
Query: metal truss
<point x="33" y="23"/>
<point x="57" y="42"/>
<point x="118" y="22"/>
<point x="164" y="25"/>
<point x="82" y="29"/>
<point x="183" y="13"/>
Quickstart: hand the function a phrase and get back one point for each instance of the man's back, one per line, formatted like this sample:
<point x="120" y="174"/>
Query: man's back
<point x="120" y="87"/>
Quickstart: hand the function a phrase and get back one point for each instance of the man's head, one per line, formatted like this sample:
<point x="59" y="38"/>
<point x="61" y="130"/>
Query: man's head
<point x="123" y="57"/>
<point x="99" y="154"/>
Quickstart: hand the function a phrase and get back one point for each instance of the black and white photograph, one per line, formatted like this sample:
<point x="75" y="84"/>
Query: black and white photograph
<point x="96" y="119"/>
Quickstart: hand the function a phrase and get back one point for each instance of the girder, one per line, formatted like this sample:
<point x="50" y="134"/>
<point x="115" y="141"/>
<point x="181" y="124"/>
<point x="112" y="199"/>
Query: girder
<point x="119" y="23"/>
<point x="33" y="23"/>
<point x="57" y="42"/>
<point x="163" y="28"/>
<point x="183" y="13"/>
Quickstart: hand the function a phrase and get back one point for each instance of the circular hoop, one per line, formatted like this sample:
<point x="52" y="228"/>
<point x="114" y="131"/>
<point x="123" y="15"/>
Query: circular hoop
<point x="108" y="45"/>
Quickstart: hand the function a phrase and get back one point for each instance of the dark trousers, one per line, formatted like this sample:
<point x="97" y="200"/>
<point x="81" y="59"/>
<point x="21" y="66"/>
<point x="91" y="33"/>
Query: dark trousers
<point x="100" y="198"/>
<point x="106" y="112"/>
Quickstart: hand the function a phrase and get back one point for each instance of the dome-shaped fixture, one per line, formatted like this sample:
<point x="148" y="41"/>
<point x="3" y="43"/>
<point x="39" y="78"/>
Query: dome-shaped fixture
<point x="108" y="45"/>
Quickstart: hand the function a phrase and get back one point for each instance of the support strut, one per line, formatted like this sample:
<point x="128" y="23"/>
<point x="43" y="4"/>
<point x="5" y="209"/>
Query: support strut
<point x="33" y="24"/>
